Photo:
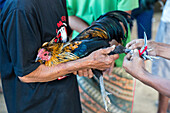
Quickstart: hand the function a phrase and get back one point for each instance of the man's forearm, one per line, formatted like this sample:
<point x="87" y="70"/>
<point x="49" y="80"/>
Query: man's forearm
<point x="163" y="50"/>
<point x="44" y="73"/>
<point x="77" y="23"/>
<point x="156" y="82"/>
<point x="98" y="59"/>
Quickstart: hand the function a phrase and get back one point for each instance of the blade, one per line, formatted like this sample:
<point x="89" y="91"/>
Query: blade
<point x="145" y="39"/>
<point x="145" y="42"/>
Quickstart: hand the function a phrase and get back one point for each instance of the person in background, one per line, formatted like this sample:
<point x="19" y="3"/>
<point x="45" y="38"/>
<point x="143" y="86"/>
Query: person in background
<point x="81" y="14"/>
<point x="144" y="21"/>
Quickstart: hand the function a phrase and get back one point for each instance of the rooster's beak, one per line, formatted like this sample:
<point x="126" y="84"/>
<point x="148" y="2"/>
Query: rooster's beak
<point x="38" y="58"/>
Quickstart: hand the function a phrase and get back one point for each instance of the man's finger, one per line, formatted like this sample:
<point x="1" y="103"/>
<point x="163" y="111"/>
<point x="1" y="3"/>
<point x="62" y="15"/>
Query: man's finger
<point x="75" y="73"/>
<point x="126" y="61"/>
<point x="115" y="56"/>
<point x="136" y="53"/>
<point x="130" y="43"/>
<point x="85" y="73"/>
<point x="80" y="73"/>
<point x="108" y="50"/>
<point x="128" y="56"/>
<point x="90" y="73"/>
<point x="135" y="44"/>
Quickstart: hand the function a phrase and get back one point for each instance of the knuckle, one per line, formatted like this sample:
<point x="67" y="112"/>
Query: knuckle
<point x="110" y="62"/>
<point x="80" y="75"/>
<point x="124" y="65"/>
<point x="134" y="46"/>
<point x="101" y="50"/>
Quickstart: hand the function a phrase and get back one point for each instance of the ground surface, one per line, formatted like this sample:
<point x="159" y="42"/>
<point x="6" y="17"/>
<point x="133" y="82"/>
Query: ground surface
<point x="145" y="97"/>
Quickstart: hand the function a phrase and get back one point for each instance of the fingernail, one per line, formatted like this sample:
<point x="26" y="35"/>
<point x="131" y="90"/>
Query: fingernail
<point x="136" y="51"/>
<point x="113" y="46"/>
<point x="130" y="47"/>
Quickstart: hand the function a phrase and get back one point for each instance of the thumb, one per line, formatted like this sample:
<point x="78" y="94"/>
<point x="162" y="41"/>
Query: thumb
<point x="128" y="56"/>
<point x="108" y="50"/>
<point x="136" y="53"/>
<point x="126" y="61"/>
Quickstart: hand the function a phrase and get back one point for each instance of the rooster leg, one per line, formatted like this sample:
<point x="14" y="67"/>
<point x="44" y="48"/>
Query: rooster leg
<point x="104" y="93"/>
<point x="99" y="76"/>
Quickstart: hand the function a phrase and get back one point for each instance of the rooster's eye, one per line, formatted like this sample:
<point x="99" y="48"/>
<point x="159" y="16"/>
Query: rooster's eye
<point x="49" y="54"/>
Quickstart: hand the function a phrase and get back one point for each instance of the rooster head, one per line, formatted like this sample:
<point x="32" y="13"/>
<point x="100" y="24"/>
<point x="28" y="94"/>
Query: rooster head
<point x="43" y="55"/>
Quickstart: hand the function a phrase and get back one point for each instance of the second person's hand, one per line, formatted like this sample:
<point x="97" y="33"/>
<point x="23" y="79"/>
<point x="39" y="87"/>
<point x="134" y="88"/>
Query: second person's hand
<point x="139" y="43"/>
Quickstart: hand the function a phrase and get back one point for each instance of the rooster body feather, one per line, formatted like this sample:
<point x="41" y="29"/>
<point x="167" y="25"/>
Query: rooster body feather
<point x="106" y="28"/>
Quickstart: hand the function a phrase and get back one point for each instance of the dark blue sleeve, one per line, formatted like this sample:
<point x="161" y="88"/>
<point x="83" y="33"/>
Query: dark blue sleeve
<point x="2" y="3"/>
<point x="23" y="39"/>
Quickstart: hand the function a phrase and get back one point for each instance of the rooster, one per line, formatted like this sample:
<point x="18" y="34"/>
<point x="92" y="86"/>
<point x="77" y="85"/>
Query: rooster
<point x="106" y="28"/>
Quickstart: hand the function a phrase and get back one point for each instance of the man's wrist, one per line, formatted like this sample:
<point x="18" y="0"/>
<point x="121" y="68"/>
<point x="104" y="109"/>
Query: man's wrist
<point x="158" y="49"/>
<point x="145" y="76"/>
<point x="83" y="63"/>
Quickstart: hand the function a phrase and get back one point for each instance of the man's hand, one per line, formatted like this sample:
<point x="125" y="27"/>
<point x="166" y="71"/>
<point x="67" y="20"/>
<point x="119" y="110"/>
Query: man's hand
<point x="109" y="70"/>
<point x="133" y="64"/>
<point x="101" y="60"/>
<point x="135" y="44"/>
<point x="85" y="72"/>
<point x="139" y="43"/>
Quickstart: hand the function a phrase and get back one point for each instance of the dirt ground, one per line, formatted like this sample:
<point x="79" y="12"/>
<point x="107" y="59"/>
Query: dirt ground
<point x="145" y="97"/>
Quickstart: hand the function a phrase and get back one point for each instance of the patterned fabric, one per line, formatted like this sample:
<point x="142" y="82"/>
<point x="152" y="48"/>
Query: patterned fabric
<point x="119" y="84"/>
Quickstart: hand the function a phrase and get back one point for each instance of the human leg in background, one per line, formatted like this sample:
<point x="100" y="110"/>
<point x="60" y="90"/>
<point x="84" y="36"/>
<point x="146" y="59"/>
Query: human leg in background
<point x="168" y="106"/>
<point x="163" y="104"/>
<point x="145" y="19"/>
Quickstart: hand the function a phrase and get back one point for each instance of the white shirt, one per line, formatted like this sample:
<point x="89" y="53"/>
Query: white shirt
<point x="166" y="12"/>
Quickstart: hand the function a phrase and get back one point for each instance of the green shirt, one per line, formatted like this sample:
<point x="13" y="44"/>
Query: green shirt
<point x="90" y="10"/>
